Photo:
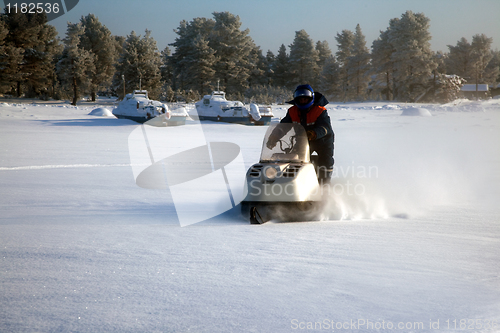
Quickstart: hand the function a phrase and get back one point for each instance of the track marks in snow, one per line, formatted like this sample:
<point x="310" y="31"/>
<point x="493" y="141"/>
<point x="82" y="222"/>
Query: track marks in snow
<point x="64" y="166"/>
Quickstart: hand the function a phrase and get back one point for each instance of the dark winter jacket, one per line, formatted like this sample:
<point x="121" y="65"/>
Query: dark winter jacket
<point x="319" y="122"/>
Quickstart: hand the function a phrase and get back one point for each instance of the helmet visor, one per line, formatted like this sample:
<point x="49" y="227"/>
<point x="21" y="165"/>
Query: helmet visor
<point x="303" y="93"/>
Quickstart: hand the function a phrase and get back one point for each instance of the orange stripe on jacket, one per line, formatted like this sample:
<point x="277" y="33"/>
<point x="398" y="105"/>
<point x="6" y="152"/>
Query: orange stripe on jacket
<point x="312" y="115"/>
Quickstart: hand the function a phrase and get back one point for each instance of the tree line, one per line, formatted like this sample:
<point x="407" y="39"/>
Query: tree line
<point x="211" y="52"/>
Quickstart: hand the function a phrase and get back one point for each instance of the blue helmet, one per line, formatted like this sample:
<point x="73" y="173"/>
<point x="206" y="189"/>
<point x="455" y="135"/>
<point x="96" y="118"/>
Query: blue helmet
<point x="304" y="90"/>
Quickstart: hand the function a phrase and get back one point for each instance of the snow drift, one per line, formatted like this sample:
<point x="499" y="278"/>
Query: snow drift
<point x="102" y="112"/>
<point x="416" y="112"/>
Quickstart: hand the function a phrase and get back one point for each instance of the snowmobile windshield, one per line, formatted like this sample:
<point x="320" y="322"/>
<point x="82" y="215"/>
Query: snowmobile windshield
<point x="285" y="143"/>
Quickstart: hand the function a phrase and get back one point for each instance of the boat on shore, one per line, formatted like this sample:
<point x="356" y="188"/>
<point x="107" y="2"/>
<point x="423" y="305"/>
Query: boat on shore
<point x="216" y="107"/>
<point x="138" y="107"/>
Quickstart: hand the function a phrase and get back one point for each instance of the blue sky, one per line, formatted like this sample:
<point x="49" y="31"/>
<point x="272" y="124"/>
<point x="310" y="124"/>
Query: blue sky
<point x="274" y="22"/>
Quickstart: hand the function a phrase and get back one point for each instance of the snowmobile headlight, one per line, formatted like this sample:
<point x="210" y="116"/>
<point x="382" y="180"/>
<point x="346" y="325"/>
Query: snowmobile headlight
<point x="270" y="173"/>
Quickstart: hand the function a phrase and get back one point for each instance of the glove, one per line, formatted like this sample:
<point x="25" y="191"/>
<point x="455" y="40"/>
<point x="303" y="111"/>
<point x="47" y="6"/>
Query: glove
<point x="311" y="135"/>
<point x="271" y="141"/>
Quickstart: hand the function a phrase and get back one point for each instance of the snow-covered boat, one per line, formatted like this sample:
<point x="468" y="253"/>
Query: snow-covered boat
<point x="215" y="107"/>
<point x="138" y="107"/>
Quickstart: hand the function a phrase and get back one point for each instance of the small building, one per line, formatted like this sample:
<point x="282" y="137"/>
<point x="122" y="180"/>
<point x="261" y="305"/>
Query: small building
<point x="469" y="91"/>
<point x="495" y="90"/>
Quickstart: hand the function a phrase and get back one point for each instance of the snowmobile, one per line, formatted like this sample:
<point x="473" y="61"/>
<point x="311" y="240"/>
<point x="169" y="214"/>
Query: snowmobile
<point x="283" y="186"/>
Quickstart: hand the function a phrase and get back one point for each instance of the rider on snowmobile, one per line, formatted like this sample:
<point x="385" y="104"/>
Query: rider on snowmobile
<point x="309" y="110"/>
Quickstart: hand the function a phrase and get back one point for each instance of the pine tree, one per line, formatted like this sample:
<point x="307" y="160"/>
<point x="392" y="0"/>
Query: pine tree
<point x="118" y="42"/>
<point x="139" y="64"/>
<point x="459" y="60"/>
<point x="97" y="40"/>
<point x="270" y="59"/>
<point x="383" y="65"/>
<point x="413" y="58"/>
<point x="473" y="61"/>
<point x="440" y="59"/>
<point x="345" y="42"/>
<point x="10" y="60"/>
<point x="187" y="33"/>
<point x="39" y="61"/>
<point x="281" y="75"/>
<point x="76" y="66"/>
<point x="38" y="40"/>
<point x="3" y="31"/>
<point x="200" y="62"/>
<point x="166" y="71"/>
<point x="4" y="83"/>
<point x="494" y="67"/>
<point x="303" y="60"/>
<point x="233" y="50"/>
<point x="324" y="53"/>
<point x="481" y="56"/>
<point x="259" y="68"/>
<point x="266" y="94"/>
<point x="358" y="66"/>
<point x="329" y="78"/>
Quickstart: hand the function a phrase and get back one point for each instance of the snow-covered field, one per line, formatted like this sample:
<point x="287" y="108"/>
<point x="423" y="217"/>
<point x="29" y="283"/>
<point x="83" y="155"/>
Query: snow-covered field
<point x="410" y="241"/>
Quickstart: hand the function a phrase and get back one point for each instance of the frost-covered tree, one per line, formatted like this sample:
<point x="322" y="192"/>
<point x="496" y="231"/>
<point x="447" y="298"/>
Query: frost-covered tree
<point x="472" y="61"/>
<point x="358" y="66"/>
<point x="118" y="42"/>
<point x="39" y="42"/>
<point x="166" y="70"/>
<point x="345" y="42"/>
<point x="440" y="59"/>
<point x="234" y="49"/>
<point x="4" y="83"/>
<point x="303" y="59"/>
<point x="201" y="61"/>
<point x="412" y="56"/>
<point x="324" y="53"/>
<point x="259" y="68"/>
<point x="97" y="40"/>
<point x="39" y="61"/>
<point x="458" y="60"/>
<point x="10" y="60"/>
<point x="481" y="55"/>
<point x="383" y="66"/>
<point x="281" y="69"/>
<point x="267" y="94"/>
<point x="76" y="65"/>
<point x="139" y="64"/>
<point x="3" y="31"/>
<point x="270" y="59"/>
<point x="231" y="53"/>
<point x="494" y="67"/>
<point x="184" y="58"/>
<point x="329" y="78"/>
